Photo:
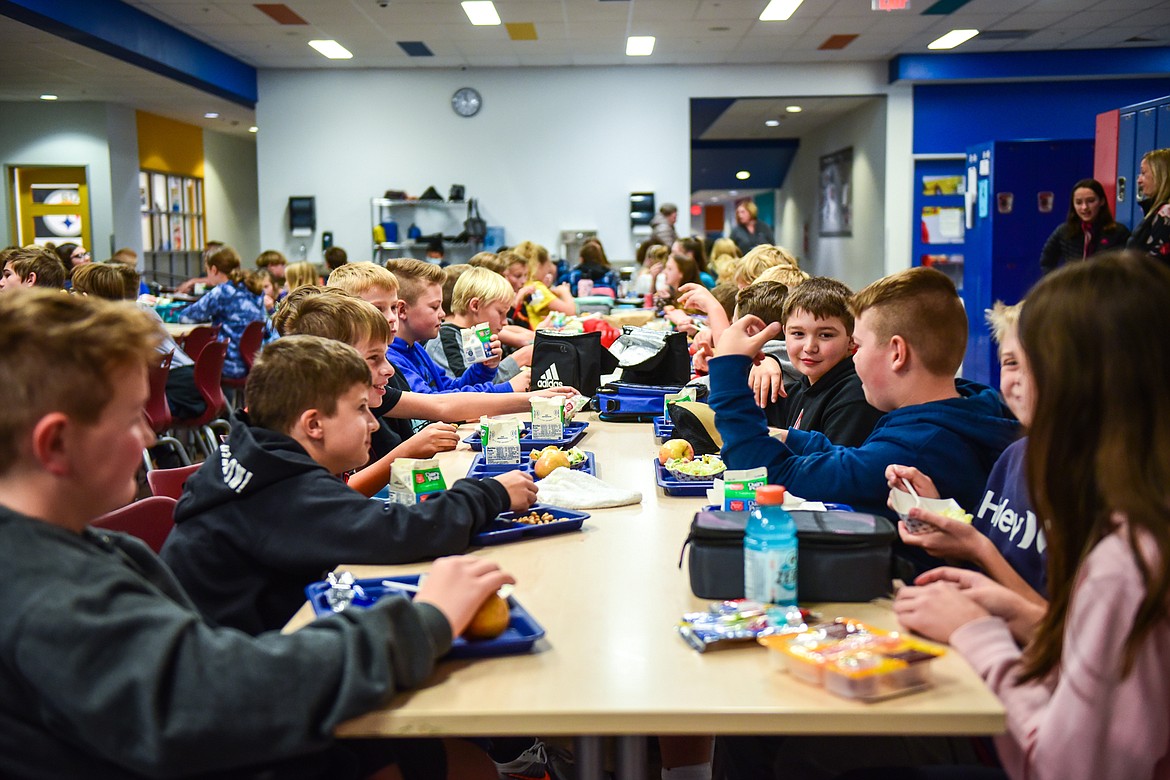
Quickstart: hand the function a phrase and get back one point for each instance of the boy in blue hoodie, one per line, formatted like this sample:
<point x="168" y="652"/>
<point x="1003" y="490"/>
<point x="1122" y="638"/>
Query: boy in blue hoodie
<point x="420" y="313"/>
<point x="911" y="332"/>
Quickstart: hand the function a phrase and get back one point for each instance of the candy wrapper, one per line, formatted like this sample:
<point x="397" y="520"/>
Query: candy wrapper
<point x="413" y="480"/>
<point x="728" y="623"/>
<point x="573" y="404"/>
<point x="502" y="444"/>
<point x="477" y="347"/>
<point x="548" y="417"/>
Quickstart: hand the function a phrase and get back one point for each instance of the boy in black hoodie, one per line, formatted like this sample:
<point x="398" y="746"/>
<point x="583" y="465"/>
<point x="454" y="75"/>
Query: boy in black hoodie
<point x="818" y="334"/>
<point x="269" y="515"/>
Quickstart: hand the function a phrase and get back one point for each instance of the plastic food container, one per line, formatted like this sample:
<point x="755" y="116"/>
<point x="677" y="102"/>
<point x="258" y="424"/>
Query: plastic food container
<point x="855" y="661"/>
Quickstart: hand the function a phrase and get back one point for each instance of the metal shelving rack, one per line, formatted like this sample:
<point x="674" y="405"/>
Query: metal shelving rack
<point x="431" y="217"/>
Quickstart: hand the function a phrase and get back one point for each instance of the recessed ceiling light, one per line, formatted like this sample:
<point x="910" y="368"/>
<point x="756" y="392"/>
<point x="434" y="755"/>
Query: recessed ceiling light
<point x="253" y="129"/>
<point x="741" y="175"/>
<point x="780" y="10"/>
<point x="639" y="45"/>
<point x="332" y="49"/>
<point x="211" y="115"/>
<point x="953" y="39"/>
<point x="48" y="97"/>
<point x="733" y="193"/>
<point x="481" y="12"/>
<point x="772" y="122"/>
<point x="793" y="109"/>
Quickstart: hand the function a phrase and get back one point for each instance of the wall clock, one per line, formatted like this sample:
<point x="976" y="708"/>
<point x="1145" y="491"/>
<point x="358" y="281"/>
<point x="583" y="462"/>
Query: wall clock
<point x="466" y="102"/>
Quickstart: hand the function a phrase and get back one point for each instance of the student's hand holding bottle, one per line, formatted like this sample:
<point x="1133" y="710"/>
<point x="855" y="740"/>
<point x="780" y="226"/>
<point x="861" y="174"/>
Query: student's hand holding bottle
<point x="521" y="488"/>
<point x="457" y="585"/>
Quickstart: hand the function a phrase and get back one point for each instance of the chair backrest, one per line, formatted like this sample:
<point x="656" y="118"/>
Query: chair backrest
<point x="158" y="412"/>
<point x="198" y="338"/>
<point x="250" y="341"/>
<point x="208" y="373"/>
<point x="169" y="482"/>
<point x="150" y="519"/>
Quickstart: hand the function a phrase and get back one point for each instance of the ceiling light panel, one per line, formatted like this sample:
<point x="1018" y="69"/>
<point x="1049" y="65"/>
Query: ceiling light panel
<point x="780" y="10"/>
<point x="639" y="45"/>
<point x="332" y="49"/>
<point x="481" y="12"/>
<point x="952" y="39"/>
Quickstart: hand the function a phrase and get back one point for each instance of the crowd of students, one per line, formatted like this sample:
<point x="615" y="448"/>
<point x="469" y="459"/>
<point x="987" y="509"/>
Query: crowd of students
<point x="118" y="663"/>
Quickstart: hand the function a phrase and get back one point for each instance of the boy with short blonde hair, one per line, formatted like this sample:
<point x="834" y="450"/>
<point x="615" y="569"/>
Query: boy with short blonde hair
<point x="120" y="649"/>
<point x="760" y="259"/>
<point x="910" y="333"/>
<point x="420" y="312"/>
<point x="372" y="283"/>
<point x="480" y="296"/>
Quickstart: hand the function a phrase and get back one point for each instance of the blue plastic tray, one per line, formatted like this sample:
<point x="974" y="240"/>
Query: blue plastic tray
<point x="479" y="469"/>
<point x="504" y="528"/>
<point x="680" y="487"/>
<point x="521" y="634"/>
<point x="573" y="433"/>
<point x="663" y="429"/>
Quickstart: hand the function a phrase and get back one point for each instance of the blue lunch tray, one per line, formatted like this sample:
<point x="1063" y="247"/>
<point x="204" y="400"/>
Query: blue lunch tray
<point x="479" y="469"/>
<point x="663" y="429"/>
<point x="574" y="431"/>
<point x="519" y="637"/>
<point x="672" y="486"/>
<point x="505" y="529"/>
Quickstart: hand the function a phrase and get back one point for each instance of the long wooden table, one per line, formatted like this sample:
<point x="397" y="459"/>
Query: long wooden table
<point x="611" y="663"/>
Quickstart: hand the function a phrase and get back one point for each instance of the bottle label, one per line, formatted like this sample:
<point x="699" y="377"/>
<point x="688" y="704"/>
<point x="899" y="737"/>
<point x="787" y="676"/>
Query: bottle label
<point x="770" y="575"/>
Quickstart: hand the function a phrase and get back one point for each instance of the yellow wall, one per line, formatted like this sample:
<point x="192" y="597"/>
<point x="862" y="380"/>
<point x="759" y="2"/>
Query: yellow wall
<point x="169" y="146"/>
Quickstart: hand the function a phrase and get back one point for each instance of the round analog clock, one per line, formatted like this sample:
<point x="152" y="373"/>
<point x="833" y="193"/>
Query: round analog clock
<point x="466" y="102"/>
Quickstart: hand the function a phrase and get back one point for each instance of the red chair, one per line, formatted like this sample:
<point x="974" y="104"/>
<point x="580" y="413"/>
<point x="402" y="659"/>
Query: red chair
<point x="150" y="519"/>
<point x="198" y="338"/>
<point x="158" y="414"/>
<point x="169" y="482"/>
<point x="250" y="342"/>
<point x="208" y="375"/>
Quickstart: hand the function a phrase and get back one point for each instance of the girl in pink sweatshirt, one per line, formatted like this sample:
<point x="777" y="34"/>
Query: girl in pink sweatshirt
<point x="1085" y="682"/>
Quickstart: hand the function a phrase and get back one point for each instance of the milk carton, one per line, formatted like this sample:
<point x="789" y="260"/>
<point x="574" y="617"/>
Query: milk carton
<point x="413" y="480"/>
<point x="502" y="444"/>
<point x="477" y="346"/>
<point x="548" y="418"/>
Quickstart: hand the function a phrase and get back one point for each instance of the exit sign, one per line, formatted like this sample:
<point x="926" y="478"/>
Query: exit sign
<point x="890" y="5"/>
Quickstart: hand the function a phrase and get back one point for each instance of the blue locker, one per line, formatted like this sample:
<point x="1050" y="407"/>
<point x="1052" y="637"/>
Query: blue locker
<point x="1022" y="191"/>
<point x="1163" y="138"/>
<point x="1126" y="169"/>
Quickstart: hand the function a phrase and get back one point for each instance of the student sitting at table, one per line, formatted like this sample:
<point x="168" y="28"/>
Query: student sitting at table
<point x="107" y="670"/>
<point x="1005" y="539"/>
<point x="331" y="313"/>
<point x="420" y="311"/>
<point x="514" y="269"/>
<point x="236" y="301"/>
<point x="1084" y="682"/>
<point x="32" y="266"/>
<point x="818" y="337"/>
<point x="911" y="333"/>
<point x="480" y="296"/>
<point x="540" y="295"/>
<point x="268" y="514"/>
<point x="594" y="266"/>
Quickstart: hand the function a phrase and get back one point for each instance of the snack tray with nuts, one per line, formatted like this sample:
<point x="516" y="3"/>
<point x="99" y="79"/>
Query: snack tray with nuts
<point x="519" y="637"/>
<point x="480" y="470"/>
<point x="574" y="432"/>
<point x="539" y="520"/>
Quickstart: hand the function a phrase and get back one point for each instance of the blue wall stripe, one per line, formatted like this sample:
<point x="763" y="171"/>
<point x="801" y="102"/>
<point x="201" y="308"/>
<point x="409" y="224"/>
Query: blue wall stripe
<point x="1146" y="61"/>
<point x="124" y="32"/>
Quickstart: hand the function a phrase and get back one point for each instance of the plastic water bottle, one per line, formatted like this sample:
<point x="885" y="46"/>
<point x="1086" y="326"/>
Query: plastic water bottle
<point x="769" y="550"/>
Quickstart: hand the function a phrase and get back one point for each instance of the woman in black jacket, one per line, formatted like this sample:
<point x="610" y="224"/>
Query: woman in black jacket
<point x="1152" y="235"/>
<point x="1088" y="230"/>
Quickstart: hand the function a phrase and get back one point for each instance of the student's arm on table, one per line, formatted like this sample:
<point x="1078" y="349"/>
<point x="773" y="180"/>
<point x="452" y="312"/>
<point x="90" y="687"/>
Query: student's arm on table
<point x="434" y="438"/>
<point x="562" y="300"/>
<point x="457" y="407"/>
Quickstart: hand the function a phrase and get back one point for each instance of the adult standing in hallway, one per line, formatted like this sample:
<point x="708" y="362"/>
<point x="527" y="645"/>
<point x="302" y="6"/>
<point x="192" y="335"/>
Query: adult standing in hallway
<point x="749" y="231"/>
<point x="662" y="225"/>
<point x="1152" y="234"/>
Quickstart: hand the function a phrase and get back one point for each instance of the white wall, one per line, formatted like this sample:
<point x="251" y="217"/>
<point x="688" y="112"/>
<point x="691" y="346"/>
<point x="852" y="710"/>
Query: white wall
<point x="230" y="192"/>
<point x="552" y="148"/>
<point x="61" y="134"/>
<point x="124" y="196"/>
<point x="859" y="259"/>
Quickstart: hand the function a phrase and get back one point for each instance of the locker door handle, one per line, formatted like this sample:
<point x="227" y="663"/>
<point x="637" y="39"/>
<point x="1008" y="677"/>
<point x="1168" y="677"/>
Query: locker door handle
<point x="1120" y="189"/>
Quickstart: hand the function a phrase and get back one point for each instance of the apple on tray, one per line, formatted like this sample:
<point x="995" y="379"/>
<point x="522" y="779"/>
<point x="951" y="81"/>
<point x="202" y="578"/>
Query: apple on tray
<point x="675" y="448"/>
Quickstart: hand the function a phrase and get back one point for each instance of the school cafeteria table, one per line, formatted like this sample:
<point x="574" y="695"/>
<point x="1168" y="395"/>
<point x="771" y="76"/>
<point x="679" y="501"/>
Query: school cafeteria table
<point x="611" y="663"/>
